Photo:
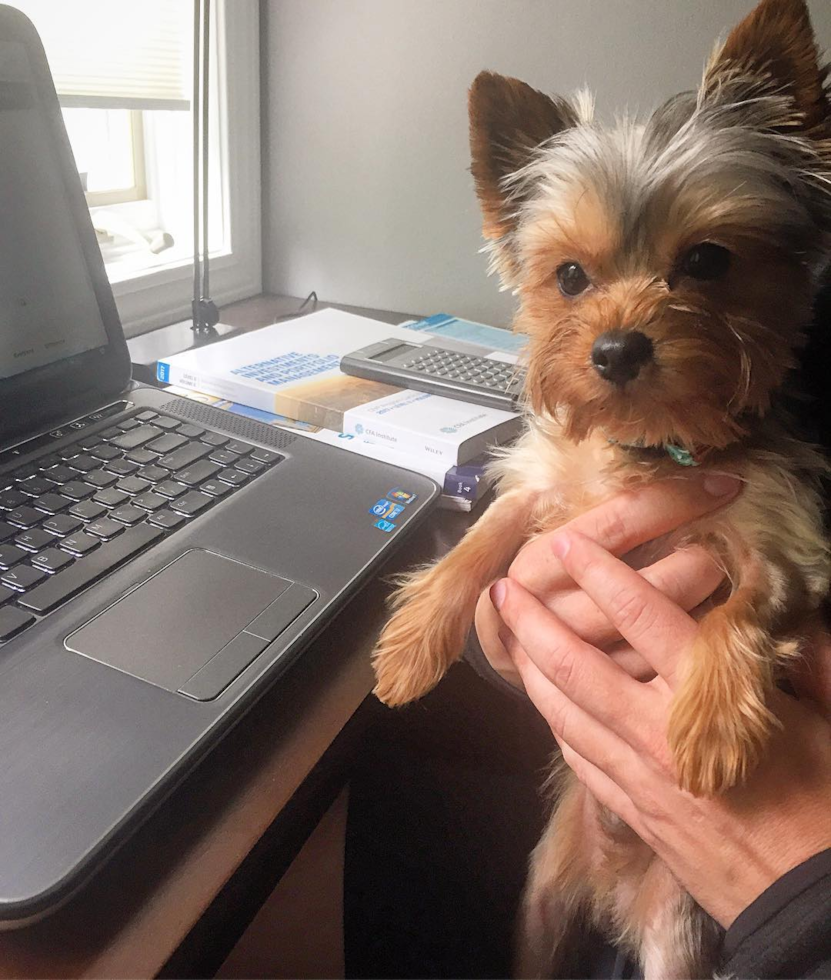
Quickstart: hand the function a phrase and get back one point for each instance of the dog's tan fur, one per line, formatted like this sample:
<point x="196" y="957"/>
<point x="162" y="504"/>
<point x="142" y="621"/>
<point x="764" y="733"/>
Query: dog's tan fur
<point x="740" y="335"/>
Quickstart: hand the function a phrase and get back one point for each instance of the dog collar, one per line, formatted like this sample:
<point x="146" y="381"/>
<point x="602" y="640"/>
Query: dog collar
<point x="679" y="455"/>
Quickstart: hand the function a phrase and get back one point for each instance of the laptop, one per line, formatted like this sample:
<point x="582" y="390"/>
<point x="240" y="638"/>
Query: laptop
<point x="161" y="561"/>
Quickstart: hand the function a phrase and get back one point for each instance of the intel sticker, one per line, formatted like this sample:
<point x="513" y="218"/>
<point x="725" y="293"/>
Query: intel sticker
<point x="385" y="526"/>
<point x="386" y="508"/>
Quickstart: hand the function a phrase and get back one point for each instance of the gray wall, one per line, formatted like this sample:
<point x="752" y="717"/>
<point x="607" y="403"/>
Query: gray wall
<point x="366" y="193"/>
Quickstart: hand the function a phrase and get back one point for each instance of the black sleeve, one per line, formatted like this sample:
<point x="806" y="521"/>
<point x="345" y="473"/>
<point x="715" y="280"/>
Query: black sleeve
<point x="786" y="932"/>
<point x="475" y="656"/>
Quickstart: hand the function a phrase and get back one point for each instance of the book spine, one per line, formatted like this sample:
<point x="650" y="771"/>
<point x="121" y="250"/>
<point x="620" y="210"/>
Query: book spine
<point x="468" y="484"/>
<point x="227" y="388"/>
<point x="402" y="441"/>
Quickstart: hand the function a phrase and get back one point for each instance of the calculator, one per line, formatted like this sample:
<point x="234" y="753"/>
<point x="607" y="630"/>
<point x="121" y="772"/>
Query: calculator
<point x="438" y="371"/>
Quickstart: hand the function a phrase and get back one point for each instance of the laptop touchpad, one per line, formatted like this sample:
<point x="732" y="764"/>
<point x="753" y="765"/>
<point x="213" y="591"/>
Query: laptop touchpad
<point x="194" y="625"/>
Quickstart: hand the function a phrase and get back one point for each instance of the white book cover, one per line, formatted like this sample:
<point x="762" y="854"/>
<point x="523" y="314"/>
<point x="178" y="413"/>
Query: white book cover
<point x="428" y="425"/>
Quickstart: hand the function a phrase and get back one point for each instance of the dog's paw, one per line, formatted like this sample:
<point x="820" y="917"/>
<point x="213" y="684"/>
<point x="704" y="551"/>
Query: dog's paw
<point x="719" y="723"/>
<point x="423" y="637"/>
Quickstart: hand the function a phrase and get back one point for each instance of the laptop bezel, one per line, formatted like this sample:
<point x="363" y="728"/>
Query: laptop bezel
<point x="32" y="400"/>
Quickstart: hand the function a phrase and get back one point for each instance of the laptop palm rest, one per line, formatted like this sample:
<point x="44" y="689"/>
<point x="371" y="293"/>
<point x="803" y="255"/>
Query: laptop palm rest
<point x="195" y="625"/>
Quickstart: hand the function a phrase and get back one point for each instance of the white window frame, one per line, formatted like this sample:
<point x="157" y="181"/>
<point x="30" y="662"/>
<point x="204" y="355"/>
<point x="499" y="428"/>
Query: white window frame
<point x="161" y="296"/>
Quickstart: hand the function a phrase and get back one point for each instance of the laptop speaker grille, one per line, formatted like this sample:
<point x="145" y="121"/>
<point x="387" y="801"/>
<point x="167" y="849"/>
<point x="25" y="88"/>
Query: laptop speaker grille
<point x="216" y="418"/>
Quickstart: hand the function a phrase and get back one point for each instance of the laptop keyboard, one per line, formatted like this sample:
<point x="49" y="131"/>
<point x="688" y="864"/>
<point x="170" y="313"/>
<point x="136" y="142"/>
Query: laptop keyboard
<point x="72" y="516"/>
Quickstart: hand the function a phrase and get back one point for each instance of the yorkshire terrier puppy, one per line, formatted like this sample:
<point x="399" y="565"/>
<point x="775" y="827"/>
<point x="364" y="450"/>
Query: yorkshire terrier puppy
<point x="665" y="271"/>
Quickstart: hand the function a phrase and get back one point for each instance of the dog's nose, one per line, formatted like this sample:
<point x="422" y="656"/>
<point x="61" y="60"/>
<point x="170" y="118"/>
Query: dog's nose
<point x="619" y="355"/>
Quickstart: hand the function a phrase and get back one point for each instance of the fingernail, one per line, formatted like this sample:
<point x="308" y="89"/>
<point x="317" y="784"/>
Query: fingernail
<point x="497" y="592"/>
<point x="560" y="545"/>
<point x="721" y="484"/>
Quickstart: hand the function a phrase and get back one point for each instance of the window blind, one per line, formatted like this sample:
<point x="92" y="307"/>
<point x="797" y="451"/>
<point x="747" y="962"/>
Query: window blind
<point x="116" y="54"/>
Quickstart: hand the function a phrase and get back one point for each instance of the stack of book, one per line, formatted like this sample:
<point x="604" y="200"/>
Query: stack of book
<point x="288" y="375"/>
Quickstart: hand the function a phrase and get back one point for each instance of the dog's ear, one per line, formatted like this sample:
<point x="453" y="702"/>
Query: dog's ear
<point x="772" y="53"/>
<point x="508" y="120"/>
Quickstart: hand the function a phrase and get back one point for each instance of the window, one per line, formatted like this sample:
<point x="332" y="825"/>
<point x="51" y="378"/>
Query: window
<point x="123" y="74"/>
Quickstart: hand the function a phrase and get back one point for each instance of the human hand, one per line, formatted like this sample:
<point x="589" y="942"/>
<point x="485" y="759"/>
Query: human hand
<point x="627" y="521"/>
<point x="612" y="730"/>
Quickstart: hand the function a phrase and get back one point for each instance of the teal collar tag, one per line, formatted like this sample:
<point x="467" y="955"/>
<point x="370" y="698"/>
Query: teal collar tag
<point x="681" y="456"/>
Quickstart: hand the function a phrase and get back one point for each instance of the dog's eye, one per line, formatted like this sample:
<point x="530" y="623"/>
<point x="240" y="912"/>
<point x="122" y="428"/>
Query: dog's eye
<point x="572" y="279"/>
<point x="706" y="261"/>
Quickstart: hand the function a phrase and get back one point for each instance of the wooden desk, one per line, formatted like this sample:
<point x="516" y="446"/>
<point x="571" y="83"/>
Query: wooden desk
<point x="135" y="914"/>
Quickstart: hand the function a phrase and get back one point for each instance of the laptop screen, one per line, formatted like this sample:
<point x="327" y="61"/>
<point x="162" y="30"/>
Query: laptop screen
<point x="48" y="306"/>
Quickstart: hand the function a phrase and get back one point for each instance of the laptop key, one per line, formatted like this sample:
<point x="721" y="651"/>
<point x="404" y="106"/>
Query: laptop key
<point x="34" y="540"/>
<point x="101" y="478"/>
<point x="128" y="424"/>
<point x="250" y="466"/>
<point x="104" y="528"/>
<point x="170" y="488"/>
<point x="224" y="457"/>
<point x="88" y="510"/>
<point x="241" y="448"/>
<point x="163" y="422"/>
<point x="10" y="556"/>
<point x="12" y="621"/>
<point x="6" y="595"/>
<point x="214" y="439"/>
<point x="150" y="501"/>
<point x="137" y="437"/>
<point x="111" y="497"/>
<point x="216" y="488"/>
<point x="190" y="430"/>
<point x="62" y="525"/>
<point x="52" y="560"/>
<point x="77" y="490"/>
<point x="23" y="577"/>
<point x="166" y="519"/>
<point x="6" y="530"/>
<point x="133" y="484"/>
<point x="84" y="463"/>
<point x="60" y="474"/>
<point x="52" y="503"/>
<point x="24" y="517"/>
<point x="105" y="452"/>
<point x="184" y="456"/>
<point x="234" y="477"/>
<point x="79" y="544"/>
<point x="11" y="499"/>
<point x="166" y="443"/>
<point x="71" y="581"/>
<point x="122" y="467"/>
<point x="192" y="503"/>
<point x="35" y="486"/>
<point x="192" y="476"/>
<point x="146" y="416"/>
<point x="141" y="457"/>
<point x="128" y="514"/>
<point x="265" y="456"/>
<point x="153" y="473"/>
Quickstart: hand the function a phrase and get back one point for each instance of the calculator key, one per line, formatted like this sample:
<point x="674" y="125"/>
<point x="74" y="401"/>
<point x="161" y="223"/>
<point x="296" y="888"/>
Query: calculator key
<point x="62" y="524"/>
<point x="133" y="484"/>
<point x="136" y="437"/>
<point x="100" y="479"/>
<point x="34" y="540"/>
<point x="184" y="456"/>
<point x="150" y="501"/>
<point x="52" y="560"/>
<point x="22" y="577"/>
<point x="265" y="456"/>
<point x="24" y="517"/>
<point x="79" y="544"/>
<point x="35" y="486"/>
<point x="77" y="490"/>
<point x="10" y="555"/>
<point x="216" y="488"/>
<point x="250" y="466"/>
<point x="170" y="488"/>
<point x="163" y="422"/>
<point x="192" y="503"/>
<point x="166" y="443"/>
<point x="12" y="621"/>
<point x="105" y="452"/>
<point x="243" y="448"/>
<point x="12" y="498"/>
<point x="192" y="476"/>
<point x="6" y="530"/>
<point x="224" y="457"/>
<point x="122" y="467"/>
<point x="166" y="519"/>
<point x="234" y="477"/>
<point x="153" y="473"/>
<point x="88" y="510"/>
<point x="141" y="457"/>
<point x="111" y="497"/>
<point x="214" y="439"/>
<point x="56" y="590"/>
<point x="128" y="514"/>
<point x="104" y="528"/>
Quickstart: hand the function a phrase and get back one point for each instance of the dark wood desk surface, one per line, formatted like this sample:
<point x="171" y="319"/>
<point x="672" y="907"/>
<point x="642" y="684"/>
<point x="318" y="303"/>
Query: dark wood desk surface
<point x="134" y="915"/>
